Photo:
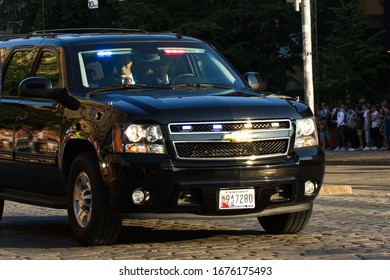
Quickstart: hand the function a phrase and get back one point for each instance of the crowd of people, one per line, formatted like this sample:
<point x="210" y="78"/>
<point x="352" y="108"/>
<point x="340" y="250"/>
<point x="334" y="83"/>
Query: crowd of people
<point x="344" y="127"/>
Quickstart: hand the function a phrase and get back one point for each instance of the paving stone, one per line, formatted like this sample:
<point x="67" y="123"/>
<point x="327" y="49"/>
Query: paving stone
<point x="348" y="226"/>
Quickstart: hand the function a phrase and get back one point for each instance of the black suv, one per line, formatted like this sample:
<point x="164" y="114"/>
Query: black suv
<point x="182" y="136"/>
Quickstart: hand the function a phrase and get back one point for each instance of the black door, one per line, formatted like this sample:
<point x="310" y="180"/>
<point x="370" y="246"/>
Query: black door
<point x="38" y="131"/>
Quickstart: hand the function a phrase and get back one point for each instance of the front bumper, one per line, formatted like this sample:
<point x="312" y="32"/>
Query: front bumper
<point x="187" y="189"/>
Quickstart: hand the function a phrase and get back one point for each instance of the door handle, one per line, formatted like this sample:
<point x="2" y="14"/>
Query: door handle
<point x="24" y="118"/>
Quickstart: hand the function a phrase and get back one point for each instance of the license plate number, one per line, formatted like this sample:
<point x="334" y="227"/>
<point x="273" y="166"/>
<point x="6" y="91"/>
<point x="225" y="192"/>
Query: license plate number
<point x="236" y="198"/>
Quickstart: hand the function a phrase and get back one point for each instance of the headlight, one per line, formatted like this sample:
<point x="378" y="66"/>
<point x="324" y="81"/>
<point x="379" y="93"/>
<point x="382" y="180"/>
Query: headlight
<point x="134" y="133"/>
<point x="153" y="133"/>
<point x="138" y="138"/>
<point x="306" y="133"/>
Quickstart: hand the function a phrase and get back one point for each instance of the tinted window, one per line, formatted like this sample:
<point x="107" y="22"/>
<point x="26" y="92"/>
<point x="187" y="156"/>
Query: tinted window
<point x="48" y="67"/>
<point x="17" y="69"/>
<point x="156" y="64"/>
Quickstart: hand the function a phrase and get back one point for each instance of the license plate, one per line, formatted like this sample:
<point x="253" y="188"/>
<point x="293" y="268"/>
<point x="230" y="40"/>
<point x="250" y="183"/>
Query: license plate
<point x="236" y="198"/>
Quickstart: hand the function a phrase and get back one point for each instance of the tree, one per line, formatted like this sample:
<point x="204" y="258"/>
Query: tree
<point x="8" y="16"/>
<point x="350" y="59"/>
<point x="255" y="35"/>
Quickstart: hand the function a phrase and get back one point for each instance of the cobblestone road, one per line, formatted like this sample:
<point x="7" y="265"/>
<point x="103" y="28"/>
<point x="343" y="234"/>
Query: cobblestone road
<point x="355" y="226"/>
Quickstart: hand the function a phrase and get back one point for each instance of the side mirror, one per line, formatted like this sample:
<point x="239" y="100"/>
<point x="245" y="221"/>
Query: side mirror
<point x="41" y="87"/>
<point x="38" y="87"/>
<point x="255" y="80"/>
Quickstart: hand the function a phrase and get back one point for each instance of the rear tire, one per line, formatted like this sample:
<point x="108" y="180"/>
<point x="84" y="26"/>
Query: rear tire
<point x="90" y="218"/>
<point x="286" y="223"/>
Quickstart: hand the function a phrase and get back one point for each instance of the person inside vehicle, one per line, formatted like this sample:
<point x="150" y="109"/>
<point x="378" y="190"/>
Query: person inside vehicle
<point x="160" y="71"/>
<point x="127" y="77"/>
<point x="118" y="71"/>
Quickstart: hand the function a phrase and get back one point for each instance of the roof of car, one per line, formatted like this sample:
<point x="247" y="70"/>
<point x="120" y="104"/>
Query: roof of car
<point x="99" y="35"/>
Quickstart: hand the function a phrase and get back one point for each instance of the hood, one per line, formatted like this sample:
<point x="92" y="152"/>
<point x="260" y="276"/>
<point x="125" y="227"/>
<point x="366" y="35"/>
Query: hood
<point x="173" y="105"/>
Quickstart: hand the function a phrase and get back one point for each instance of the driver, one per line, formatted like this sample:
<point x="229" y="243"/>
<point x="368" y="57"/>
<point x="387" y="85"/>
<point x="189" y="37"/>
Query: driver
<point x="160" y="71"/>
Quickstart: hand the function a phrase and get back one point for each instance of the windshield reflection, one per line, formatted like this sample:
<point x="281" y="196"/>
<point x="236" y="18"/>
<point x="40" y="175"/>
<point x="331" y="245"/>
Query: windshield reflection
<point x="102" y="68"/>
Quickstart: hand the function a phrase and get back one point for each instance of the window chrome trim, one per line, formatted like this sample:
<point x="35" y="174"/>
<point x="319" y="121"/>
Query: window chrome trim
<point x="231" y="122"/>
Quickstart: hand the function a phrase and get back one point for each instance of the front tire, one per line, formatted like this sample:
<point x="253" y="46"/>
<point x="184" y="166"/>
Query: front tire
<point x="90" y="218"/>
<point x="286" y="223"/>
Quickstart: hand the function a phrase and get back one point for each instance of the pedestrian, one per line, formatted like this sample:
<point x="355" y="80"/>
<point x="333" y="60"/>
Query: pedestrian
<point x="340" y="130"/>
<point x="386" y="127"/>
<point x="382" y="128"/>
<point x="359" y="126"/>
<point x="375" y="134"/>
<point x="350" y="125"/>
<point x="333" y="126"/>
<point x="323" y="118"/>
<point x="367" y="126"/>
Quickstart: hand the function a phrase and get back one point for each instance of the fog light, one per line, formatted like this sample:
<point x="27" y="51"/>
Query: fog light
<point x="310" y="188"/>
<point x="138" y="196"/>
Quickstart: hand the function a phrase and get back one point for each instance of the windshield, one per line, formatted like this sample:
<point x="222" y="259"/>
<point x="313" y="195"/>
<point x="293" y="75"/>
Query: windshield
<point x="152" y="64"/>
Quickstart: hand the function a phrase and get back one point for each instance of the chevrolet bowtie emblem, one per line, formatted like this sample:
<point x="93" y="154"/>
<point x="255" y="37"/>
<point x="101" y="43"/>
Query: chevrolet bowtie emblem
<point x="238" y="136"/>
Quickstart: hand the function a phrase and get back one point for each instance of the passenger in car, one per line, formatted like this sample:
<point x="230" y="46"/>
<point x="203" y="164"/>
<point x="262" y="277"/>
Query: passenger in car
<point x="127" y="77"/>
<point x="118" y="71"/>
<point x="160" y="71"/>
<point x="110" y="75"/>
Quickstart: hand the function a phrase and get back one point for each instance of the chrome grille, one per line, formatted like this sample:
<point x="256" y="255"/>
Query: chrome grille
<point x="229" y="126"/>
<point x="202" y="150"/>
<point x="231" y="140"/>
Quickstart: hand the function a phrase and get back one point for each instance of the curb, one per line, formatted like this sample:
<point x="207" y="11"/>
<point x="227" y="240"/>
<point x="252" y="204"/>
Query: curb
<point x="358" y="158"/>
<point x="329" y="189"/>
<point x="378" y="162"/>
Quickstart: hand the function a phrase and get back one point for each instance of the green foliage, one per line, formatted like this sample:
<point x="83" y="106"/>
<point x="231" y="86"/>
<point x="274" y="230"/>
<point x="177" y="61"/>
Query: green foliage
<point x="351" y="60"/>
<point x="255" y="35"/>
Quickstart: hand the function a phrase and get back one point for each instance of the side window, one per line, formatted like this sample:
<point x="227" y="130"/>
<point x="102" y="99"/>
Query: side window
<point x="48" y="67"/>
<point x="17" y="69"/>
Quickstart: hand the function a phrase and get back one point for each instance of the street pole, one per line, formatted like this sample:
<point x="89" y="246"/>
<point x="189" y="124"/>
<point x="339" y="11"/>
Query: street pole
<point x="15" y="17"/>
<point x="307" y="54"/>
<point x="43" y="15"/>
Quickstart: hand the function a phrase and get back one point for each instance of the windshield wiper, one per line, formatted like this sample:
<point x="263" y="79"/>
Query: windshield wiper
<point x="135" y="86"/>
<point x="179" y="86"/>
